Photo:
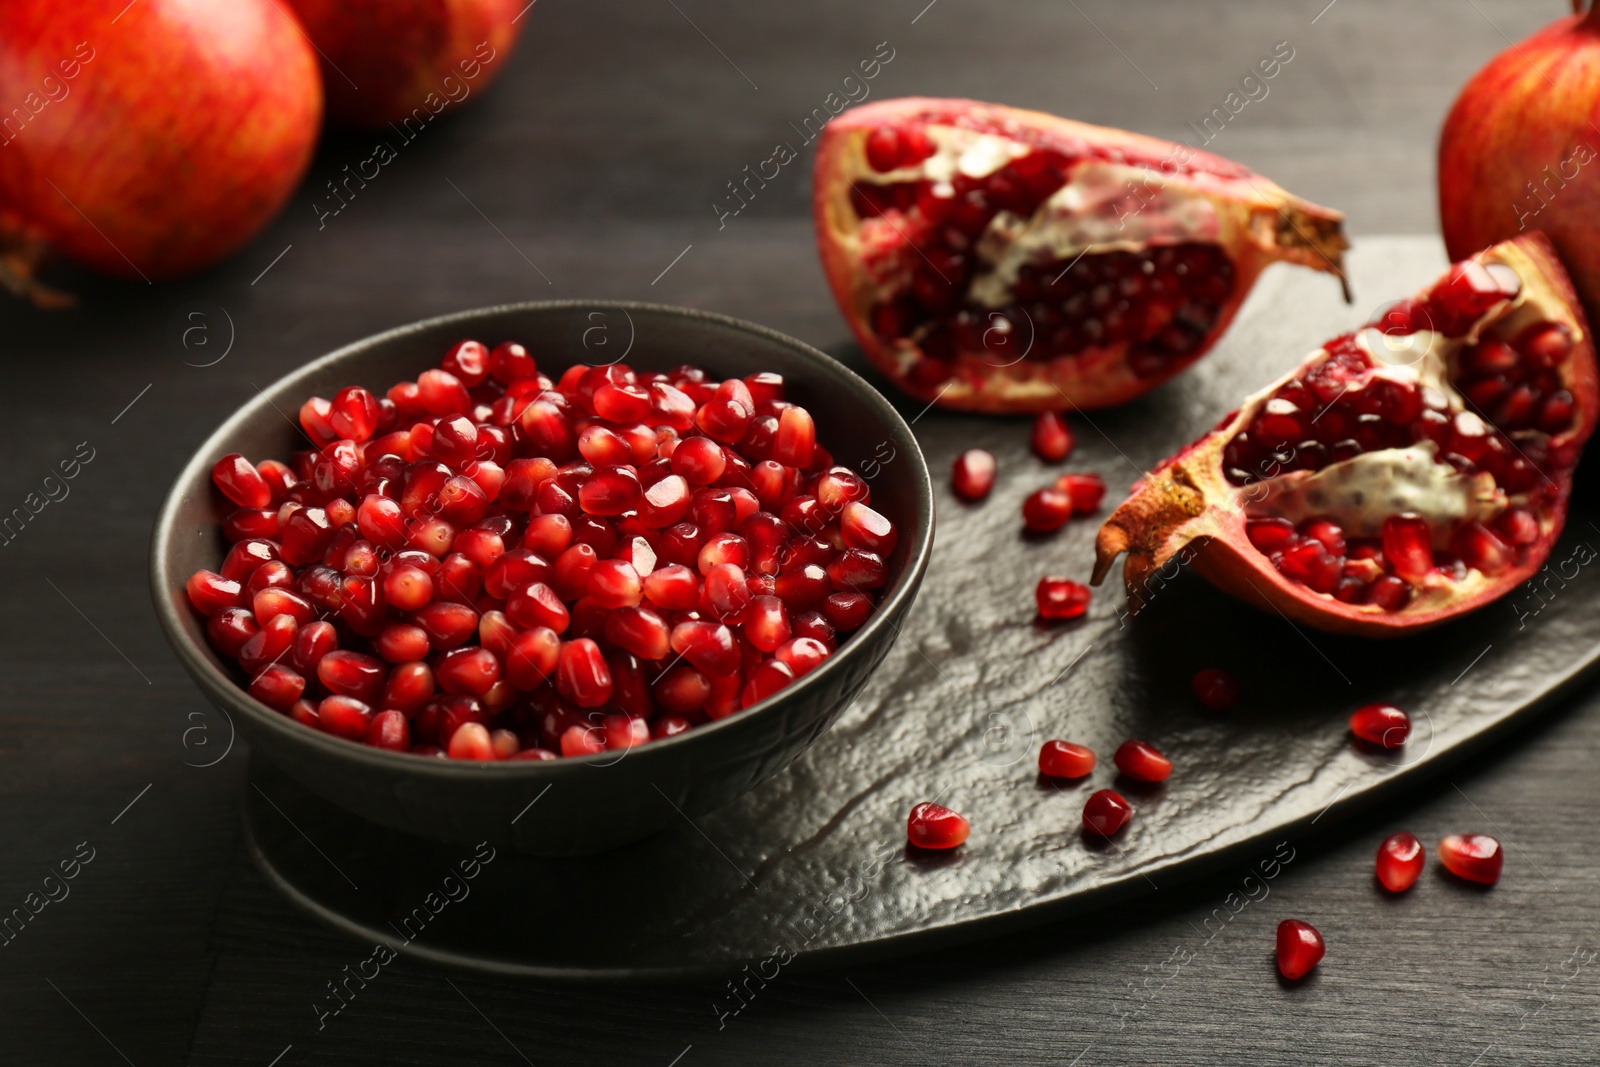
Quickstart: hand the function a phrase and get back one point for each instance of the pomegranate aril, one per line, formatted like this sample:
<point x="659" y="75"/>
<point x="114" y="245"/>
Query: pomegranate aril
<point x="1407" y="546"/>
<point x="344" y="716"/>
<point x="1141" y="761"/>
<point x="583" y="741"/>
<point x="1300" y="948"/>
<point x="582" y="675"/>
<point x="229" y="629"/>
<point x="1063" y="759"/>
<point x="1061" y="598"/>
<point x="933" y="826"/>
<point x="1105" y="812"/>
<point x="801" y="654"/>
<point x="210" y="593"/>
<point x="471" y="741"/>
<point x="972" y="476"/>
<point x="1216" y="689"/>
<point x="468" y="670"/>
<point x="1400" y="861"/>
<point x="861" y="527"/>
<point x="277" y="686"/>
<point x="1383" y="725"/>
<point x="1270" y="535"/>
<point x="768" y="678"/>
<point x="709" y="646"/>
<point x="389" y="729"/>
<point x="241" y="482"/>
<point x="1046" y="510"/>
<point x="1084" y="490"/>
<point x="1052" y="437"/>
<point x="1474" y="857"/>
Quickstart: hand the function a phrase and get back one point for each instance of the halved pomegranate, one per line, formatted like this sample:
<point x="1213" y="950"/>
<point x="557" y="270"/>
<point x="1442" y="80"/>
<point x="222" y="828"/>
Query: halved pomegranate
<point x="994" y="259"/>
<point x="1403" y="474"/>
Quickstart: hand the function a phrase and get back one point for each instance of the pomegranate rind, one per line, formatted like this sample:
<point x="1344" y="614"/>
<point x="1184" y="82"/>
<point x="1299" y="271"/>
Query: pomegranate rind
<point x="1187" y="510"/>
<point x="1517" y="148"/>
<point x="1260" y="224"/>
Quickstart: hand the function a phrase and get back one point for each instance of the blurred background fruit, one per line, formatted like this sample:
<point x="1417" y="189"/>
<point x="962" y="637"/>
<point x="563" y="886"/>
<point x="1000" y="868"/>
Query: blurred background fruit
<point x="152" y="139"/>
<point x="1518" y="151"/>
<point x="383" y="59"/>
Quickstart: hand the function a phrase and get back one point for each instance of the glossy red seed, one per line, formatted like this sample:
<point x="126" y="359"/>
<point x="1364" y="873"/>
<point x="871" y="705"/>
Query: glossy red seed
<point x="933" y="826"/>
<point x="709" y="646"/>
<point x="801" y="654"/>
<point x="210" y="592"/>
<point x="468" y="670"/>
<point x="768" y="678"/>
<point x="582" y="675"/>
<point x="1407" y="546"/>
<point x="972" y="475"/>
<point x="861" y="527"/>
<point x="1106" y="812"/>
<point x="277" y="686"/>
<point x="1046" y="510"/>
<point x="240" y="482"/>
<point x="1300" y="948"/>
<point x="1084" y="490"/>
<point x="1216" y="689"/>
<point x="1383" y="725"/>
<point x="1475" y="857"/>
<point x="471" y="741"/>
<point x="1063" y="759"/>
<point x="344" y="716"/>
<point x="882" y="148"/>
<point x="1141" y="761"/>
<point x="1052" y="437"/>
<point x="390" y="730"/>
<point x="1400" y="861"/>
<point x="1060" y="598"/>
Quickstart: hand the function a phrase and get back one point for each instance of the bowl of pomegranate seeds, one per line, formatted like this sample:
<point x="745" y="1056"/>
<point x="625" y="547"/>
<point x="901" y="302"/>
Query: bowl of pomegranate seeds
<point x="485" y="569"/>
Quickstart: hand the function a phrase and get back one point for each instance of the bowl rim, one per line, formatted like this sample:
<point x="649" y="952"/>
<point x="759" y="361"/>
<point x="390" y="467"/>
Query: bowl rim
<point x="214" y="682"/>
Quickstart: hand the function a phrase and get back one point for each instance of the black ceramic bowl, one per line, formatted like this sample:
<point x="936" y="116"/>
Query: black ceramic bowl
<point x="582" y="804"/>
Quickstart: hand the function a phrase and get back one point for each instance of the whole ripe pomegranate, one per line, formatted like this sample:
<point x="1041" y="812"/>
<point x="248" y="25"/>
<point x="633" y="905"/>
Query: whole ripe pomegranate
<point x="152" y="139"/>
<point x="1403" y="474"/>
<point x="383" y="60"/>
<point x="1002" y="260"/>
<point x="1519" y="151"/>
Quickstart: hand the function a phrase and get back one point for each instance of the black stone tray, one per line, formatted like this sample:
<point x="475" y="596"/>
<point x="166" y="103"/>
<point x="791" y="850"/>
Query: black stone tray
<point x="812" y="868"/>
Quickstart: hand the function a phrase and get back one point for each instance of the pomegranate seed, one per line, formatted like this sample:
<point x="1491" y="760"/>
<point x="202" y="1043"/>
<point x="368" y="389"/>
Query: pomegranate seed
<point x="344" y="716"/>
<point x="1061" y="598"/>
<point x="468" y="670"/>
<point x="883" y="148"/>
<point x="972" y="476"/>
<point x="410" y="686"/>
<point x="1407" y="546"/>
<point x="471" y="740"/>
<point x="796" y="440"/>
<point x="1046" y="510"/>
<point x="210" y="592"/>
<point x="1106" y="812"/>
<point x="582" y="675"/>
<point x="1063" y="759"/>
<point x="768" y="678"/>
<point x="229" y="629"/>
<point x="1217" y="689"/>
<point x="801" y="654"/>
<point x="935" y="827"/>
<point x="861" y="527"/>
<point x="1400" y="861"/>
<point x="1084" y="490"/>
<point x="277" y="686"/>
<point x="709" y="646"/>
<point x="1475" y="857"/>
<point x="390" y="730"/>
<point x="1052" y="437"/>
<point x="1140" y="761"/>
<point x="582" y="741"/>
<point x="1383" y="725"/>
<point x="1270" y="535"/>
<point x="240" y="482"/>
<point x="1300" y="948"/>
<point x="623" y="731"/>
<point x="352" y="674"/>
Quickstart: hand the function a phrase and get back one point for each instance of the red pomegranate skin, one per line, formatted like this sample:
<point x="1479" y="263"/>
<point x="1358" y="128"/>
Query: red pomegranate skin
<point x="185" y="128"/>
<point x="1520" y="151"/>
<point x="384" y="59"/>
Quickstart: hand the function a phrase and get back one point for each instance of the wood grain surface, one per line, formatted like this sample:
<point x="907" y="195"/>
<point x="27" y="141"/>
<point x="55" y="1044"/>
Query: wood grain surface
<point x="591" y="170"/>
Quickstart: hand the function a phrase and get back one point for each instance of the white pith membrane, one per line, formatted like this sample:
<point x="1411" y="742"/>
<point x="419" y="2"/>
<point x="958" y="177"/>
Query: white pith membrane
<point x="1103" y="207"/>
<point x="1360" y="492"/>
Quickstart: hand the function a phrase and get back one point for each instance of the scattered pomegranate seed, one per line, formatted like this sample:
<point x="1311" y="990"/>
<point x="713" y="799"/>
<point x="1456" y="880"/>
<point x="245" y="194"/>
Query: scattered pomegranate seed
<point x="1475" y="857"/>
<point x="1061" y="598"/>
<point x="1140" y="761"/>
<point x="457" y="566"/>
<point x="1106" y="812"/>
<point x="1300" y="948"/>
<point x="1217" y="689"/>
<point x="1052" y="437"/>
<point x="933" y="826"/>
<point x="1046" y="510"/>
<point x="972" y="476"/>
<point x="1085" y="491"/>
<point x="1400" y="862"/>
<point x="1063" y="759"/>
<point x="1383" y="725"/>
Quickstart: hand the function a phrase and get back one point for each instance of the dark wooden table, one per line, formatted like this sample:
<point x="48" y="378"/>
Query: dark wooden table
<point x="590" y="170"/>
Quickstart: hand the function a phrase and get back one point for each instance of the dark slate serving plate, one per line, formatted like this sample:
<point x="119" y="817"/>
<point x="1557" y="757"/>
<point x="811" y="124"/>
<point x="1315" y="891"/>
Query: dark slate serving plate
<point x="812" y="866"/>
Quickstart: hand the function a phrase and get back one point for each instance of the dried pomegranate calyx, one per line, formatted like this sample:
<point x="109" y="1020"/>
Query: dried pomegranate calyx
<point x="1402" y="474"/>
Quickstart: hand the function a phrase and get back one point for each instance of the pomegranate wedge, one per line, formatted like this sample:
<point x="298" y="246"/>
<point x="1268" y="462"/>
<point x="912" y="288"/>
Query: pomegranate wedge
<point x="1404" y="474"/>
<point x="994" y="259"/>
